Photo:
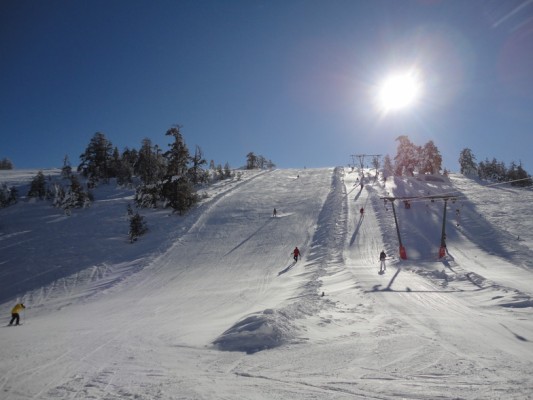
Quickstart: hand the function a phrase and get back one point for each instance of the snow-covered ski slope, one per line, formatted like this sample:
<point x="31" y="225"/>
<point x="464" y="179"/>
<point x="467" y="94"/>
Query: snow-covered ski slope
<point x="211" y="305"/>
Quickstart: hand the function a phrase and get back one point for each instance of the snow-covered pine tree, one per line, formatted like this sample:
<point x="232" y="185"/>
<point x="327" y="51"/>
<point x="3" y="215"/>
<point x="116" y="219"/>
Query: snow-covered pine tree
<point x="376" y="164"/>
<point x="251" y="160"/>
<point x="66" y="171"/>
<point x="430" y="159"/>
<point x="467" y="162"/>
<point x="8" y="196"/>
<point x="73" y="197"/>
<point x="219" y="172"/>
<point x="388" y="169"/>
<point x="407" y="157"/>
<point x="227" y="171"/>
<point x="147" y="196"/>
<point x="179" y="194"/>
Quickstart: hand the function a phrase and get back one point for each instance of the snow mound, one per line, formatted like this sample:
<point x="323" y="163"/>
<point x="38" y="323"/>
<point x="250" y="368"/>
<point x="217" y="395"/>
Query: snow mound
<point x="257" y="332"/>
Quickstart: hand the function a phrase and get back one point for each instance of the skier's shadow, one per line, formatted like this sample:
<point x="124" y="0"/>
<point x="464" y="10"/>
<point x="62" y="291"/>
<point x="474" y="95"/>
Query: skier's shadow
<point x="287" y="269"/>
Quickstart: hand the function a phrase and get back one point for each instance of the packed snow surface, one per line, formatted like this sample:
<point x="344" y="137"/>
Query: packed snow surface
<point x="211" y="305"/>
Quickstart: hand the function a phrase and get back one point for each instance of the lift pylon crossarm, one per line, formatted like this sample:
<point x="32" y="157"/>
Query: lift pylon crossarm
<point x="429" y="197"/>
<point x="361" y="158"/>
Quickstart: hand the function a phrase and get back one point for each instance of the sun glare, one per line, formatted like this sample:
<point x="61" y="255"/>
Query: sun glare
<point x="399" y="91"/>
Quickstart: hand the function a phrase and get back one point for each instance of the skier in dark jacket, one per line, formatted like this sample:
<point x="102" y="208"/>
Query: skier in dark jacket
<point x="382" y="257"/>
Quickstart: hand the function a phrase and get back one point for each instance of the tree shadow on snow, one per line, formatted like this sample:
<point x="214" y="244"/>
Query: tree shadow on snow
<point x="249" y="237"/>
<point x="519" y="337"/>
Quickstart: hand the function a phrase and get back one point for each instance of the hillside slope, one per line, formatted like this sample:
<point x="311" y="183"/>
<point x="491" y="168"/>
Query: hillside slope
<point x="152" y="320"/>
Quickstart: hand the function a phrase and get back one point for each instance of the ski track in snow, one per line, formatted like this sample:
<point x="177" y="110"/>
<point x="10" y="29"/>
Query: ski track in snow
<point x="211" y="306"/>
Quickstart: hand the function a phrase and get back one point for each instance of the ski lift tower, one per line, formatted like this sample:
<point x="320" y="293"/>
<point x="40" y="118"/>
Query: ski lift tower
<point x="442" y="248"/>
<point x="361" y="158"/>
<point x="403" y="253"/>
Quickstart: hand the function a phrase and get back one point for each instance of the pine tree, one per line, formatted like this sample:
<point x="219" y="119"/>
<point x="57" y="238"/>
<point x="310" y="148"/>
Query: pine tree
<point x="72" y="197"/>
<point x="407" y="157"/>
<point x="467" y="162"/>
<point x="178" y="156"/>
<point x="388" y="169"/>
<point x="115" y="163"/>
<point x="270" y="164"/>
<point x="219" y="172"/>
<point x="376" y="164"/>
<point x="38" y="186"/>
<point x="261" y="162"/>
<point x="196" y="172"/>
<point x="179" y="194"/>
<point x="430" y="159"/>
<point x="147" y="167"/>
<point x="177" y="189"/>
<point x="66" y="171"/>
<point x="6" y="163"/>
<point x="251" y="161"/>
<point x="138" y="227"/>
<point x="147" y="196"/>
<point x="518" y="175"/>
<point x="130" y="158"/>
<point x="124" y="172"/>
<point x="227" y="171"/>
<point x="8" y="196"/>
<point x="97" y="158"/>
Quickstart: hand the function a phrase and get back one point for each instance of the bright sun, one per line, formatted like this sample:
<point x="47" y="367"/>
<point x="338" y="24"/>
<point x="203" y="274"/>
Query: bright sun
<point x="399" y="91"/>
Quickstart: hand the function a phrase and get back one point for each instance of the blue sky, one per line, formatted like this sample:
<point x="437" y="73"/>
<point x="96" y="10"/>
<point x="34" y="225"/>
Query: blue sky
<point x="294" y="81"/>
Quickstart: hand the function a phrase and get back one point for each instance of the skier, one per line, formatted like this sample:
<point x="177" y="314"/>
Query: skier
<point x="362" y="211"/>
<point x="15" y="313"/>
<point x="296" y="254"/>
<point x="382" y="257"/>
<point x="275" y="213"/>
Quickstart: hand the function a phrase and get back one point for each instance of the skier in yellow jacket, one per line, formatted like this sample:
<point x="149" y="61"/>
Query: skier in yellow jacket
<point x="15" y="313"/>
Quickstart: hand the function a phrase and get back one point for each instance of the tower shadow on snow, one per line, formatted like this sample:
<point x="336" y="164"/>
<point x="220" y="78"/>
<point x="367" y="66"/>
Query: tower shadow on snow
<point x="352" y="240"/>
<point x="377" y="288"/>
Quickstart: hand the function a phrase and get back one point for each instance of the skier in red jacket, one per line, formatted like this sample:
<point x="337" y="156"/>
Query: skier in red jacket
<point x="296" y="254"/>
